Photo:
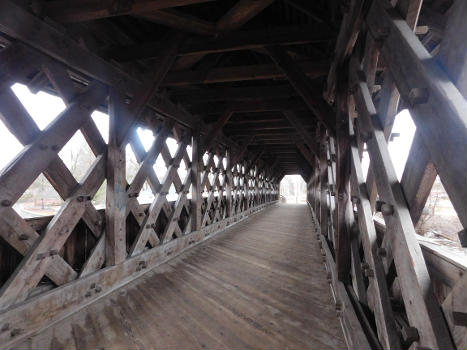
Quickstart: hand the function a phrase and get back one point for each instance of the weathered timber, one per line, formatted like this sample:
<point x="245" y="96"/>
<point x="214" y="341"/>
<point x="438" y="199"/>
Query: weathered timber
<point x="116" y="197"/>
<point x="300" y="82"/>
<point x="385" y="322"/>
<point x="413" y="275"/>
<point x="240" y="73"/>
<point x="72" y="11"/>
<point x="180" y="21"/>
<point x="416" y="69"/>
<point x="243" y="40"/>
<point x="61" y="302"/>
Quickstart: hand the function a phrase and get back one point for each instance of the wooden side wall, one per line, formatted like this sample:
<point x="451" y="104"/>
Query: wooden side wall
<point x="406" y="293"/>
<point x="46" y="274"/>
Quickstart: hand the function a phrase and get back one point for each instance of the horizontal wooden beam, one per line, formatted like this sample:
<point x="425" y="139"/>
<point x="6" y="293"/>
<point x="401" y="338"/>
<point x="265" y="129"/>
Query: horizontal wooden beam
<point x="86" y="10"/>
<point x="313" y="69"/>
<point x="233" y="127"/>
<point x="234" y="94"/>
<point x="276" y="134"/>
<point x="244" y="40"/>
<point x="240" y="13"/>
<point x="180" y="21"/>
<point x="250" y="106"/>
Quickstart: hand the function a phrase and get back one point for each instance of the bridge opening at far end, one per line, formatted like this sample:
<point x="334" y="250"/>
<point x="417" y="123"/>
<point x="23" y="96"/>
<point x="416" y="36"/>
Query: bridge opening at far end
<point x="293" y="189"/>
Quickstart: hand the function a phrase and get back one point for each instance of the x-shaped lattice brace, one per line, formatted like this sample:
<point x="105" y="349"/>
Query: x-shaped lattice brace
<point x="146" y="232"/>
<point x="132" y="204"/>
<point x="238" y="173"/>
<point x="41" y="155"/>
<point x="211" y="168"/>
<point x="182" y="189"/>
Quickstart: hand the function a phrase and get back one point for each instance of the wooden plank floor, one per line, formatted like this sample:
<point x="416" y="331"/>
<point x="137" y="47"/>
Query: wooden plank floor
<point x="259" y="285"/>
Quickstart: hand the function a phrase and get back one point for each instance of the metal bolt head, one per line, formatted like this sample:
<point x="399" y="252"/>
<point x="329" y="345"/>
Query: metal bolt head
<point x="23" y="237"/>
<point x="418" y="96"/>
<point x="53" y="252"/>
<point x="382" y="252"/>
<point x="378" y="205"/>
<point x="15" y="332"/>
<point x="339" y="306"/>
<point x="410" y="335"/>
<point x="387" y="209"/>
<point x="6" y="203"/>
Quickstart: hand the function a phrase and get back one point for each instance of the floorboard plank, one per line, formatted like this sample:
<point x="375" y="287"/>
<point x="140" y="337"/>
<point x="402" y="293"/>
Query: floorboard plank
<point x="259" y="285"/>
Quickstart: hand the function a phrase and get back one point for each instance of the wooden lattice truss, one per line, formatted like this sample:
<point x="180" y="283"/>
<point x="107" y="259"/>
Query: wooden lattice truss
<point x="122" y="251"/>
<point x="383" y="266"/>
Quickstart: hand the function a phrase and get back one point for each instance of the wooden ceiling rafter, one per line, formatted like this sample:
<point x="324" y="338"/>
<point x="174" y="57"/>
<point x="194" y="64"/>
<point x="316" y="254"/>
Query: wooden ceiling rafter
<point x="67" y="11"/>
<point x="231" y="41"/>
<point x="237" y="16"/>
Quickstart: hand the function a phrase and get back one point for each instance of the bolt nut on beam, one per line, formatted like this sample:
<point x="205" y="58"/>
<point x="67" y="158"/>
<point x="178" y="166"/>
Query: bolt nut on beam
<point x="6" y="203"/>
<point x="382" y="252"/>
<point x="15" y="332"/>
<point x="339" y="306"/>
<point x="365" y="137"/>
<point x="384" y="208"/>
<point x="23" y="237"/>
<point x="410" y="335"/>
<point x="382" y="33"/>
<point x="418" y="96"/>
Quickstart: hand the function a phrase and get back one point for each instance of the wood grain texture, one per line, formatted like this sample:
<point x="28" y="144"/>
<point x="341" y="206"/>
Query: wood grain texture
<point x="259" y="285"/>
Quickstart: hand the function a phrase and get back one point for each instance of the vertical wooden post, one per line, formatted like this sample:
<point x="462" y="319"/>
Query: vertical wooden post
<point x="323" y="172"/>
<point x="317" y="191"/>
<point x="196" y="195"/>
<point x="246" y="185"/>
<point x="228" y="183"/>
<point x="257" y="195"/>
<point x="116" y="197"/>
<point x="344" y="209"/>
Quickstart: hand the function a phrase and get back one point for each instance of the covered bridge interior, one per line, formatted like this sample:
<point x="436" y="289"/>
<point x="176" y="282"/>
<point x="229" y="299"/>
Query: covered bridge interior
<point x="237" y="94"/>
